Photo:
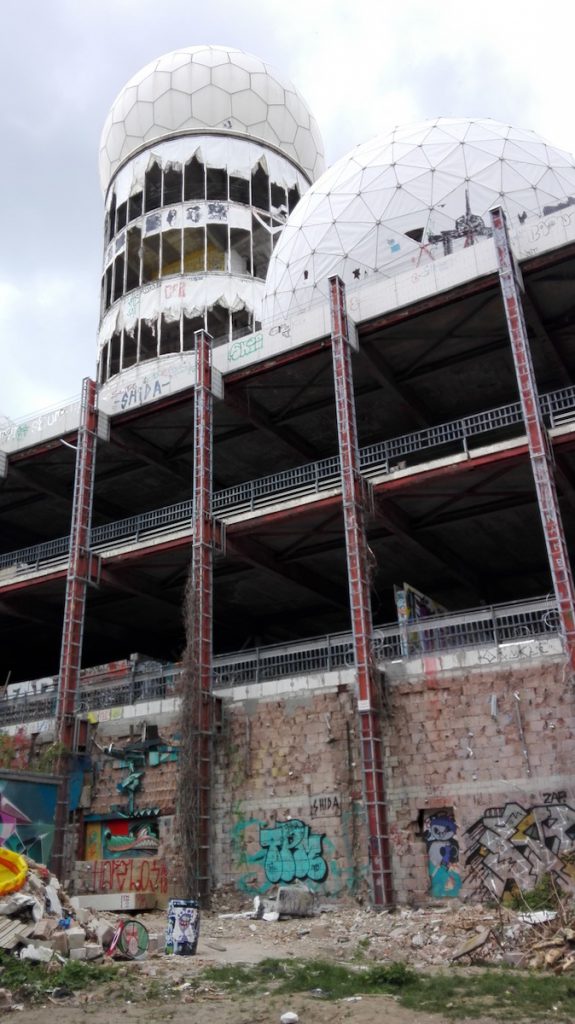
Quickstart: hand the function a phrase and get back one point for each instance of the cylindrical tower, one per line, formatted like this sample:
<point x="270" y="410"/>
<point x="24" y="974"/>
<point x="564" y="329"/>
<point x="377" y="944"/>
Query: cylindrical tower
<point x="203" y="155"/>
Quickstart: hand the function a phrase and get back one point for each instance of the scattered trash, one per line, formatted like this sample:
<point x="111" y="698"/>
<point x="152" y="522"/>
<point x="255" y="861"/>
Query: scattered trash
<point x="289" y="1018"/>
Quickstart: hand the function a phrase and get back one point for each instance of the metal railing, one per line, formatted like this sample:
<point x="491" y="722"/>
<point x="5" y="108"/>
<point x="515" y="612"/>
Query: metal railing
<point x="519" y="626"/>
<point x="558" y="408"/>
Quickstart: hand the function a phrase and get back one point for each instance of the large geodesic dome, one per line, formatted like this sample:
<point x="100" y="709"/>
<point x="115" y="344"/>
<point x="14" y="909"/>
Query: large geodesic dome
<point x="210" y="88"/>
<point x="415" y="194"/>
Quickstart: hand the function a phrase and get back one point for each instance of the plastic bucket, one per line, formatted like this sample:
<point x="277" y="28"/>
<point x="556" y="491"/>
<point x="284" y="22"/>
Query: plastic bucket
<point x="183" y="928"/>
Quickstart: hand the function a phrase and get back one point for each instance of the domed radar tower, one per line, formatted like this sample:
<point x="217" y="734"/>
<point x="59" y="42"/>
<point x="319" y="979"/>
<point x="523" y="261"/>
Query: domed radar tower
<point x="204" y="154"/>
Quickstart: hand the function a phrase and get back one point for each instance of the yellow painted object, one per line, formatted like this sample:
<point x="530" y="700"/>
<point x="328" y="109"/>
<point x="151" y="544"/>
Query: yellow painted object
<point x="13" y="871"/>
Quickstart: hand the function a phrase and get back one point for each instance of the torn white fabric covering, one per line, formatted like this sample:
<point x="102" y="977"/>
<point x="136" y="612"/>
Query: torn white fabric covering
<point x="239" y="156"/>
<point x="187" y="294"/>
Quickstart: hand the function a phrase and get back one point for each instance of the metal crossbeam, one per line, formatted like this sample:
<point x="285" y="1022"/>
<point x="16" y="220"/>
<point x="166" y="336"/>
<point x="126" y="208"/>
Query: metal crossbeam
<point x="358" y="568"/>
<point x="540" y="448"/>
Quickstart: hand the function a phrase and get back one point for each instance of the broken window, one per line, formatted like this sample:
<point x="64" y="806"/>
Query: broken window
<point x="150" y="259"/>
<point x="118" y="277"/>
<point x="241" y="323"/>
<point x="103" y="364"/>
<point x="171" y="252"/>
<point x="133" y="247"/>
<point x="217" y="247"/>
<point x="240" y="251"/>
<point x="194" y="180"/>
<point x="219" y="324"/>
<point x="194" y="250"/>
<point x="112" y="218"/>
<point x="121" y="216"/>
<point x="260" y="189"/>
<point x="135" y="205"/>
<point x="240" y="191"/>
<point x="130" y="349"/>
<point x="416" y="234"/>
<point x="108" y="287"/>
<point x="279" y="199"/>
<point x="262" y="245"/>
<point x="148" y="341"/>
<point x="169" y="336"/>
<point x="173" y="185"/>
<point x="293" y="198"/>
<point x="216" y="183"/>
<point x="115" y="349"/>
<point x="191" y="325"/>
<point x="153" y="191"/>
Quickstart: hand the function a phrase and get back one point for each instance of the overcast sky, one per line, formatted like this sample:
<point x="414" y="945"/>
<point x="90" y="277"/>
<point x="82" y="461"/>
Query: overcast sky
<point x="363" y="66"/>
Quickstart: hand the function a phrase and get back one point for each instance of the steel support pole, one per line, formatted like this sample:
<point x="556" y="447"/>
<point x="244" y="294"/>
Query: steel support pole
<point x="197" y="699"/>
<point x="368" y="682"/>
<point x="78" y="577"/>
<point x="539" y="443"/>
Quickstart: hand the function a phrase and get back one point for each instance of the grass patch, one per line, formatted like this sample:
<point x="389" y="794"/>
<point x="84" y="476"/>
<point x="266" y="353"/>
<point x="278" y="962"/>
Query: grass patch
<point x="505" y="995"/>
<point x="31" y="982"/>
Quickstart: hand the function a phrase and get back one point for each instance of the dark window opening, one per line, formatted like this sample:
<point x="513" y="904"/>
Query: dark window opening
<point x="135" y="205"/>
<point x="171" y="252"/>
<point x="130" y="352"/>
<point x="115" y="349"/>
<point x="262" y="245"/>
<point x="416" y="234"/>
<point x="173" y="185"/>
<point x="194" y="248"/>
<point x="240" y="251"/>
<point x="112" y="217"/>
<point x="170" y="336"/>
<point x="108" y="287"/>
<point x="133" y="246"/>
<point x="241" y="323"/>
<point x="118" y="277"/>
<point x="260" y="189"/>
<point x="103" y="365"/>
<point x="217" y="247"/>
<point x="194" y="180"/>
<point x="293" y="198"/>
<point x="240" y="191"/>
<point x="216" y="183"/>
<point x="121" y="216"/>
<point x="279" y="199"/>
<point x="148" y="342"/>
<point x="219" y="324"/>
<point x="191" y="325"/>
<point x="153" y="193"/>
<point x="151" y="259"/>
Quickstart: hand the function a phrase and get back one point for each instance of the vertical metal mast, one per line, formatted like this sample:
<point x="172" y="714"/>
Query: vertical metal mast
<point x="80" y="574"/>
<point x="540" y="447"/>
<point x="197" y="698"/>
<point x="354" y="513"/>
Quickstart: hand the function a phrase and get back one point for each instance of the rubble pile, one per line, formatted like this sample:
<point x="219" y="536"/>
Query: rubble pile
<point x="41" y="920"/>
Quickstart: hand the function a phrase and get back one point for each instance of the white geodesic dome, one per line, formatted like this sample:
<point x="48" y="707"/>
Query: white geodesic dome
<point x="205" y="88"/>
<point x="412" y="195"/>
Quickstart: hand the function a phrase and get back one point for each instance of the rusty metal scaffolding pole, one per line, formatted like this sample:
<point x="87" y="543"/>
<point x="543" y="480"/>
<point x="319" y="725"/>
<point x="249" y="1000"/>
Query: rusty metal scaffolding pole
<point x="368" y="681"/>
<point x="539" y="443"/>
<point x="197" y="699"/>
<point x="80" y="573"/>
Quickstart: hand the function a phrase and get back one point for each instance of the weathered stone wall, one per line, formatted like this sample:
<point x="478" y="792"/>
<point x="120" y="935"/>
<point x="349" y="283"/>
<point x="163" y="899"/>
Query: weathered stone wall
<point x="481" y="781"/>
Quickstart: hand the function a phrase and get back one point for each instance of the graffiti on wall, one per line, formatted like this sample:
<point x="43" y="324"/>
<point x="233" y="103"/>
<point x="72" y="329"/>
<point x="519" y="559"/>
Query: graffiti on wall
<point x="288" y="851"/>
<point x="512" y="847"/>
<point x="439" y="832"/>
<point x="121" y="837"/>
<point x="124" y="875"/>
<point x="27" y="811"/>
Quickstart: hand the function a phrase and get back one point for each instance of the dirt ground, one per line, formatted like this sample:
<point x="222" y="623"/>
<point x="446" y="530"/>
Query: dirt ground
<point x="158" y="988"/>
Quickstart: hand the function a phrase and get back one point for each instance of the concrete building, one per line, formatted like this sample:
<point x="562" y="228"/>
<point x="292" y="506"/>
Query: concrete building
<point x="421" y="743"/>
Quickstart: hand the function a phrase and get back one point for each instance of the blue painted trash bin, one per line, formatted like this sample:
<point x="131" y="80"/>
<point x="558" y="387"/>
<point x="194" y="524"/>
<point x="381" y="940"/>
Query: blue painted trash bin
<point x="183" y="929"/>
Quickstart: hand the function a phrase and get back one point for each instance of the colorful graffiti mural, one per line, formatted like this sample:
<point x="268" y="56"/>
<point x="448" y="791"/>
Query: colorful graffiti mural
<point x="121" y="837"/>
<point x="27" y="811"/>
<point x="289" y="850"/>
<point x="512" y="847"/>
<point x="439" y="831"/>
